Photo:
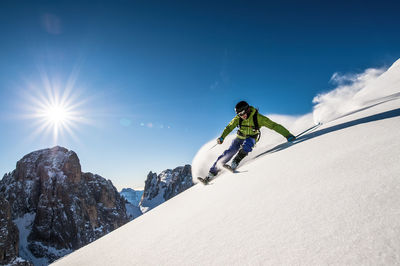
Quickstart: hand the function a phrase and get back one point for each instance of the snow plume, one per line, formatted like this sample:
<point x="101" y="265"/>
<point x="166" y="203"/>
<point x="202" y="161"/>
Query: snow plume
<point x="354" y="92"/>
<point x="357" y="92"/>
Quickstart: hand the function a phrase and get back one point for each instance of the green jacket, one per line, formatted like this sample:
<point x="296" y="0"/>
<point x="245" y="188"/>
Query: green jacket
<point x="247" y="128"/>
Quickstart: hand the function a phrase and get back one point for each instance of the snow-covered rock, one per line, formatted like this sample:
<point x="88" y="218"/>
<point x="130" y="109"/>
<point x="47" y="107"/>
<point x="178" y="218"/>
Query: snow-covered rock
<point x="57" y="207"/>
<point x="132" y="211"/>
<point x="162" y="187"/>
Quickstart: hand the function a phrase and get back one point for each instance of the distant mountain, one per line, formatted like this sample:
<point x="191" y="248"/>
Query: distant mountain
<point x="158" y="189"/>
<point x="162" y="187"/>
<point x="133" y="198"/>
<point x="56" y="207"/>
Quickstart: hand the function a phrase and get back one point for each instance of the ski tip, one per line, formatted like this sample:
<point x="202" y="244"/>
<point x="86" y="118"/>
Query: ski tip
<point x="202" y="180"/>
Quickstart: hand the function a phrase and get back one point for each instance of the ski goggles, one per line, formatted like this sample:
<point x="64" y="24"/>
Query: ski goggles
<point x="242" y="113"/>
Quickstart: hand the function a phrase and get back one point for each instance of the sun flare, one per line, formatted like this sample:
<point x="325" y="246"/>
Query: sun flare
<point x="55" y="109"/>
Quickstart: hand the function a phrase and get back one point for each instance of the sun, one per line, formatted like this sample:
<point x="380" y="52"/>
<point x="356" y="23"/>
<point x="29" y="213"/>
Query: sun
<point x="56" y="114"/>
<point x="55" y="109"/>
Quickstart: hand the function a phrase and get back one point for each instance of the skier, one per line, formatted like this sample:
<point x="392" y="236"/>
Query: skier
<point x="249" y="122"/>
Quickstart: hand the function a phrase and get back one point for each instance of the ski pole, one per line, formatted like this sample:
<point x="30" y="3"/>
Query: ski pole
<point x="213" y="146"/>
<point x="308" y="129"/>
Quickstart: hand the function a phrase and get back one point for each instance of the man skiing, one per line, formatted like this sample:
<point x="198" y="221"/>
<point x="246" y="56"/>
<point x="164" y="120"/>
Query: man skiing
<point x="249" y="122"/>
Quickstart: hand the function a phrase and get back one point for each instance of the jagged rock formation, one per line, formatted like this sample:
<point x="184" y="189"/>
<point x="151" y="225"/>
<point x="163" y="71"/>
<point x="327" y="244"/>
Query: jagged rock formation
<point x="67" y="208"/>
<point x="162" y="187"/>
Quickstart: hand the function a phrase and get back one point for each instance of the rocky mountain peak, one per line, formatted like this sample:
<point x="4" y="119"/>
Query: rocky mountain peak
<point x="49" y="163"/>
<point x="66" y="208"/>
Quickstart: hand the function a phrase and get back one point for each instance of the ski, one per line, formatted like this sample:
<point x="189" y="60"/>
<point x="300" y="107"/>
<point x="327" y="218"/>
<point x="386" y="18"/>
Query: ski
<point x="203" y="180"/>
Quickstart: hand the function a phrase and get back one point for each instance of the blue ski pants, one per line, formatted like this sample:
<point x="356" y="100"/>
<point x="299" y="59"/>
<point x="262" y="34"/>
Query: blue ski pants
<point x="246" y="144"/>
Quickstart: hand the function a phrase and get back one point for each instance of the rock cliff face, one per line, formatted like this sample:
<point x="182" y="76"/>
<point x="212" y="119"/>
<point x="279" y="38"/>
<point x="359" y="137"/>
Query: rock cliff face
<point x="8" y="234"/>
<point x="162" y="187"/>
<point x="9" y="238"/>
<point x="67" y="208"/>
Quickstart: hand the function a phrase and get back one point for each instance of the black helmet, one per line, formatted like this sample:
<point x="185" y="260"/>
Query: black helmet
<point x="241" y="106"/>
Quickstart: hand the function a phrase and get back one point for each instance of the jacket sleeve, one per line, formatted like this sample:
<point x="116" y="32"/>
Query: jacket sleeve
<point x="228" y="129"/>
<point x="266" y="122"/>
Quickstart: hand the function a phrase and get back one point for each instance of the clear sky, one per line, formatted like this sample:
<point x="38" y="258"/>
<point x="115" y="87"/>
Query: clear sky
<point x="141" y="85"/>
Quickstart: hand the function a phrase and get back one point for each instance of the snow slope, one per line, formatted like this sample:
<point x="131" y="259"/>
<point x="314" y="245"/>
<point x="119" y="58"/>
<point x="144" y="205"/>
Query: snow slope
<point x="332" y="198"/>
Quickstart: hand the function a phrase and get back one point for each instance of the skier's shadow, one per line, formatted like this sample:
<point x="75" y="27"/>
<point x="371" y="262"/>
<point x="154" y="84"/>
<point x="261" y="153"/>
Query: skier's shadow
<point x="278" y="147"/>
<point x="317" y="133"/>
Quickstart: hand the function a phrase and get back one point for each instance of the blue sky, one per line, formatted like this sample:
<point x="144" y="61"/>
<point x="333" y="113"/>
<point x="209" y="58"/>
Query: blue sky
<point x="151" y="81"/>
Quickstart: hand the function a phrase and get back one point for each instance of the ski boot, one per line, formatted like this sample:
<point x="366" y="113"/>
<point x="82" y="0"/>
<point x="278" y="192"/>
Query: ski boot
<point x="207" y="179"/>
<point x="238" y="158"/>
